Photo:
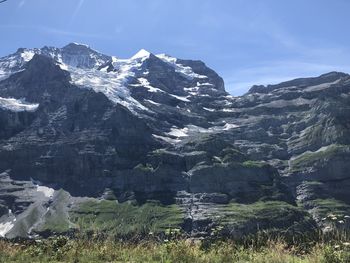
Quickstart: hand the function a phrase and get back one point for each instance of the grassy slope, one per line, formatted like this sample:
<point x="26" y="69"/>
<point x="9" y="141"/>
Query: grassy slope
<point x="309" y="158"/>
<point x="126" y="219"/>
<point x="275" y="216"/>
<point x="326" y="207"/>
<point x="269" y="210"/>
<point x="56" y="219"/>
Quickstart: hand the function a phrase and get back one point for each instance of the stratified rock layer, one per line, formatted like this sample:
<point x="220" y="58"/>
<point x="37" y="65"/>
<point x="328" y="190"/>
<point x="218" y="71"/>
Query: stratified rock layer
<point x="153" y="143"/>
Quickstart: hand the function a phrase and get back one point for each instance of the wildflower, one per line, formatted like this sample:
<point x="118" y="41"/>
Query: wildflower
<point x="347" y="217"/>
<point x="346" y="244"/>
<point x="324" y="219"/>
<point x="341" y="221"/>
<point x="336" y="246"/>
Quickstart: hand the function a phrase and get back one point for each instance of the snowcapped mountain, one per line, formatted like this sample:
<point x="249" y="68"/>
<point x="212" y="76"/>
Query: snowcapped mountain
<point x="140" y="83"/>
<point x="117" y="78"/>
<point x="78" y="127"/>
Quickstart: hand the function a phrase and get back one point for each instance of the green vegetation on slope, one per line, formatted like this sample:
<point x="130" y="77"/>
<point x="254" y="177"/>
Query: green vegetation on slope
<point x="56" y="219"/>
<point x="331" y="206"/>
<point x="275" y="214"/>
<point x="309" y="158"/>
<point x="126" y="219"/>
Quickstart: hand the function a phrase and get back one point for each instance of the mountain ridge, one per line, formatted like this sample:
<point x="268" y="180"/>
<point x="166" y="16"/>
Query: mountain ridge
<point x="79" y="128"/>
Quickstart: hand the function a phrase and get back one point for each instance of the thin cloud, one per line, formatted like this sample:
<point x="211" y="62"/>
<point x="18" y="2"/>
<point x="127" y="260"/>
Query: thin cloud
<point x="77" y="9"/>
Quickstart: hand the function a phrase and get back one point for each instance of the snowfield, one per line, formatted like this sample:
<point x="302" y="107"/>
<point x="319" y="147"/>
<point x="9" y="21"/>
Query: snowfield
<point x="88" y="69"/>
<point x="183" y="70"/>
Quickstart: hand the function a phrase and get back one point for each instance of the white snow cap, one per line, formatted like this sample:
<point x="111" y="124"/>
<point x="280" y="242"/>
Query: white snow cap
<point x="80" y="44"/>
<point x="27" y="55"/>
<point x="141" y="54"/>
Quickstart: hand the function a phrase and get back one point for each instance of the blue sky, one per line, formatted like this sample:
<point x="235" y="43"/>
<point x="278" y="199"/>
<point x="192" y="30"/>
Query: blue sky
<point x="246" y="41"/>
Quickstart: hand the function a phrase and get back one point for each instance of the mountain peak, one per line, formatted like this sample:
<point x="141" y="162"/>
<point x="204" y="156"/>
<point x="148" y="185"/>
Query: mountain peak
<point x="82" y="56"/>
<point x="76" y="45"/>
<point x="141" y="54"/>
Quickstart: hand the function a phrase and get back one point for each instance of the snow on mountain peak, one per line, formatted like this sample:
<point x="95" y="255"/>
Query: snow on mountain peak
<point x="141" y="54"/>
<point x="102" y="73"/>
<point x="80" y="44"/>
<point x="27" y="55"/>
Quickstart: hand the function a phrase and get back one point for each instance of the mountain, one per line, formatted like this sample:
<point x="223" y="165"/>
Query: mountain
<point x="154" y="144"/>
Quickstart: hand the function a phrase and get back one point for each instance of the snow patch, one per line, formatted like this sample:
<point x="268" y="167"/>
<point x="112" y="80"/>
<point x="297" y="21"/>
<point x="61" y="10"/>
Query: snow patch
<point x="192" y="90"/>
<point x="4" y="75"/>
<point x="178" y="132"/>
<point x="27" y="55"/>
<point x="47" y="191"/>
<point x="208" y="109"/>
<point x="179" y="68"/>
<point x="229" y="110"/>
<point x="180" y="98"/>
<point x="204" y="84"/>
<point x="153" y="102"/>
<point x="229" y="126"/>
<point x="80" y="44"/>
<point x="6" y="227"/>
<point x="63" y="66"/>
<point x="145" y="83"/>
<point x="17" y="105"/>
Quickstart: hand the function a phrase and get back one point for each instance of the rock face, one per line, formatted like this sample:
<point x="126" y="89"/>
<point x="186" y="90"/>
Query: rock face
<point x="156" y="135"/>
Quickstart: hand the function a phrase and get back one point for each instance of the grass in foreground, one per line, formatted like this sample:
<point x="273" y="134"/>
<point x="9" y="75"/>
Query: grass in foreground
<point x="61" y="249"/>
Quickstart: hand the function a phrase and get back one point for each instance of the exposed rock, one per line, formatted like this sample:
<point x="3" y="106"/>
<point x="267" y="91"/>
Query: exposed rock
<point x="158" y="134"/>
